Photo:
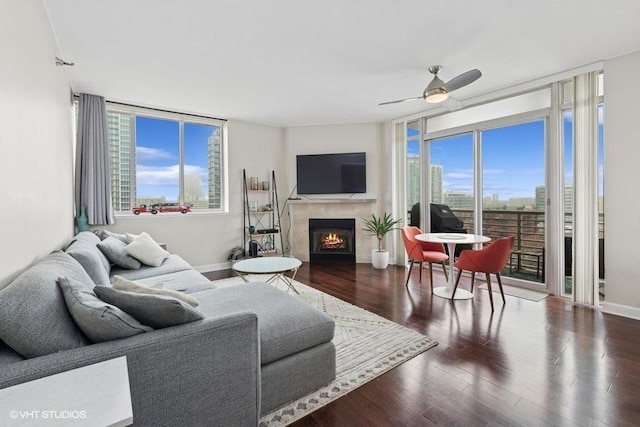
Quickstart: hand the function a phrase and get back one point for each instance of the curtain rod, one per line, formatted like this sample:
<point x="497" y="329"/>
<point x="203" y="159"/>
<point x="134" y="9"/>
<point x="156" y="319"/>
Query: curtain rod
<point x="124" y="104"/>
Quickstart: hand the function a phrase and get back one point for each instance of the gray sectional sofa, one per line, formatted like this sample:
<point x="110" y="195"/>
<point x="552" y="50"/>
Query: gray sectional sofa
<point x="256" y="349"/>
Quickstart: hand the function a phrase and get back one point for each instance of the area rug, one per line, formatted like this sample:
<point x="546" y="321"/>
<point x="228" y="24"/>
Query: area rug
<point x="367" y="346"/>
<point x="527" y="294"/>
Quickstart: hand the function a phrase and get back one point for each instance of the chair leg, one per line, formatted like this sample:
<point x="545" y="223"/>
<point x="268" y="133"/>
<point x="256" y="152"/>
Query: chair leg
<point x="446" y="274"/>
<point x="409" y="274"/>
<point x="431" y="276"/>
<point x="489" y="287"/>
<point x="473" y="279"/>
<point x="455" y="286"/>
<point x="420" y="272"/>
<point x="500" y="285"/>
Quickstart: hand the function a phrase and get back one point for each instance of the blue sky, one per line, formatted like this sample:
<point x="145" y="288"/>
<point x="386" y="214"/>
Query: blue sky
<point x="512" y="159"/>
<point x="158" y="156"/>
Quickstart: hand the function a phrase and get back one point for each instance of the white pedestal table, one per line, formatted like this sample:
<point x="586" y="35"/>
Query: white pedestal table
<point x="452" y="239"/>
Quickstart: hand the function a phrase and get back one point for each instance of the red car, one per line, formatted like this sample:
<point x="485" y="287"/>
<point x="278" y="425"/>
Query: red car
<point x="160" y="208"/>
<point x="174" y="208"/>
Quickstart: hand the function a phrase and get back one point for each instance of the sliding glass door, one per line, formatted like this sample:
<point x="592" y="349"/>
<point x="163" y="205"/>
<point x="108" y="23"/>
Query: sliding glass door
<point x="514" y="194"/>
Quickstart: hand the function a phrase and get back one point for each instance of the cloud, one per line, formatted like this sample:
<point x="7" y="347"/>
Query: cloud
<point x="148" y="154"/>
<point x="166" y="175"/>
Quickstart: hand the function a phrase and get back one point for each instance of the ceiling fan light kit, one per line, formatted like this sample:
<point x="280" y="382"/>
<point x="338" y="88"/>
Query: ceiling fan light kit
<point x="437" y="90"/>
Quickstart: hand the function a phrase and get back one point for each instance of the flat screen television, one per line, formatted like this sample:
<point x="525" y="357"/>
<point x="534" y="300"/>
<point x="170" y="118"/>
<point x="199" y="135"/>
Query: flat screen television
<point x="332" y="173"/>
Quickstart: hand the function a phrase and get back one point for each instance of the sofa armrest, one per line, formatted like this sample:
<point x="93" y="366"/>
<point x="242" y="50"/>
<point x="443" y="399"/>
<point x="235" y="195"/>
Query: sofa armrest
<point x="200" y="373"/>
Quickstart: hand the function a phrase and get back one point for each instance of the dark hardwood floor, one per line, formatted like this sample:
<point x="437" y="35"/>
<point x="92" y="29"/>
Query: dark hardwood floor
<point x="528" y="363"/>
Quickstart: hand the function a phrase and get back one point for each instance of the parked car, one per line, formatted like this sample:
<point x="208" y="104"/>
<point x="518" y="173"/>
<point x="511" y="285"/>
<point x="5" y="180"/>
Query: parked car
<point x="143" y="209"/>
<point x="174" y="208"/>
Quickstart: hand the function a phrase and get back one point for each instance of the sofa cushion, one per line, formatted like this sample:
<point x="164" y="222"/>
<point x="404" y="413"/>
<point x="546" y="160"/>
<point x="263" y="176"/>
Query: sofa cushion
<point x="187" y="281"/>
<point x="106" y="233"/>
<point x="287" y="324"/>
<point x="157" y="311"/>
<point x="99" y="321"/>
<point x="8" y="355"/>
<point x="172" y="264"/>
<point x="123" y="284"/>
<point x="113" y="249"/>
<point x="34" y="319"/>
<point x="146" y="250"/>
<point x="84" y="249"/>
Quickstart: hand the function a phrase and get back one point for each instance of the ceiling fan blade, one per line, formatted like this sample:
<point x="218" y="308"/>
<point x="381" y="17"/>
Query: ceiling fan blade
<point x="462" y="80"/>
<point x="401" y="100"/>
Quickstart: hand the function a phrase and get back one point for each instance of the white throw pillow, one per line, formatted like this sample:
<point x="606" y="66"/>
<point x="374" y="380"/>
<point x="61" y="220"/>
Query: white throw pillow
<point x="146" y="250"/>
<point x="123" y="284"/>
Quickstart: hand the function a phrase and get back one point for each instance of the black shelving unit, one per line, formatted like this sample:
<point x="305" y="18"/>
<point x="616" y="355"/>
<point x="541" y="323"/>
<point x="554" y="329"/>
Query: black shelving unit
<point x="261" y="217"/>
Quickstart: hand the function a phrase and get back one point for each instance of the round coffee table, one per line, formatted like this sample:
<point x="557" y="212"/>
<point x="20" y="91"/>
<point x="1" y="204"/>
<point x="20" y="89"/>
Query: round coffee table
<point x="276" y="266"/>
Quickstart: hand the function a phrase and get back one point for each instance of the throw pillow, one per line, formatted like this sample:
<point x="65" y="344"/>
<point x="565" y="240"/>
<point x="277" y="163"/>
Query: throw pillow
<point x="99" y="321"/>
<point x="123" y="284"/>
<point x="113" y="248"/>
<point x="146" y="250"/>
<point x="106" y="233"/>
<point x="34" y="319"/>
<point x="130" y="237"/>
<point x="157" y="311"/>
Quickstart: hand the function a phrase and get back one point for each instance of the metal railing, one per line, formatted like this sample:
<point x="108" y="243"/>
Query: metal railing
<point x="528" y="228"/>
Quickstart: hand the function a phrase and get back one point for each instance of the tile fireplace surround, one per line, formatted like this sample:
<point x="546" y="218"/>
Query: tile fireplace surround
<point x="302" y="210"/>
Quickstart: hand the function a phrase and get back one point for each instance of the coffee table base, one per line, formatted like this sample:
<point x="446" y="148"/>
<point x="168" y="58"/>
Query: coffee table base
<point x="275" y="277"/>
<point x="445" y="292"/>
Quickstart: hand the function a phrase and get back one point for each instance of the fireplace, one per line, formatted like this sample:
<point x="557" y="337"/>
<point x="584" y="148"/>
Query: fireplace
<point x="332" y="240"/>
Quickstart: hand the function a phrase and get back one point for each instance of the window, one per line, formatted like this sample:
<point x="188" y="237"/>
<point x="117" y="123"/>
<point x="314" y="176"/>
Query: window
<point x="165" y="159"/>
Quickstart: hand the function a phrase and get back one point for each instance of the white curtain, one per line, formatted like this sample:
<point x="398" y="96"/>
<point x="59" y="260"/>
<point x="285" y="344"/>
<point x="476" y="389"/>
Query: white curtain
<point x="399" y="174"/>
<point x="93" y="175"/>
<point x="585" y="192"/>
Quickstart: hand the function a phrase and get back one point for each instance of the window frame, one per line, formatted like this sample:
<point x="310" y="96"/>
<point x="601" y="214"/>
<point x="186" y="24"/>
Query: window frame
<point x="181" y="119"/>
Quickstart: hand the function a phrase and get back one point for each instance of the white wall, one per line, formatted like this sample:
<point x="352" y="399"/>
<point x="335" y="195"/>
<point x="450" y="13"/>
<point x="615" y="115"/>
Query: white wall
<point x="621" y="181"/>
<point x="368" y="137"/>
<point x="36" y="140"/>
<point x="204" y="240"/>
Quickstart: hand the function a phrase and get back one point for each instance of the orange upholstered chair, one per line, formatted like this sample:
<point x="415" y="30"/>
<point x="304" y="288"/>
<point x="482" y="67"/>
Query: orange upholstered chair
<point x="422" y="252"/>
<point x="490" y="259"/>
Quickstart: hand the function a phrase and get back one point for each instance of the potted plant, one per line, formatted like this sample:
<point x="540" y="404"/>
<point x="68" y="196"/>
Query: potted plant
<point x="379" y="227"/>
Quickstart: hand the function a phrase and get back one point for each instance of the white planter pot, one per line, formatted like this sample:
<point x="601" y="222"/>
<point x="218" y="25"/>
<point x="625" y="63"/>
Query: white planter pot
<point x="379" y="259"/>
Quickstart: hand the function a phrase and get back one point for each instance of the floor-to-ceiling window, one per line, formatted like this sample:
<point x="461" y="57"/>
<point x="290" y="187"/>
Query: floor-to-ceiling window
<point x="413" y="172"/>
<point x="514" y="194"/>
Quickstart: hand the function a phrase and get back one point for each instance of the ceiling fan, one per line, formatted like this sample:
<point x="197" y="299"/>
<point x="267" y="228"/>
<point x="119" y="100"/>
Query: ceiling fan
<point x="438" y="91"/>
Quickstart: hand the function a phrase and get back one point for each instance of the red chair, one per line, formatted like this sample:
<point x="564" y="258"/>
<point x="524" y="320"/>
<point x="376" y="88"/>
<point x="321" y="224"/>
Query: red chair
<point x="490" y="259"/>
<point x="423" y="252"/>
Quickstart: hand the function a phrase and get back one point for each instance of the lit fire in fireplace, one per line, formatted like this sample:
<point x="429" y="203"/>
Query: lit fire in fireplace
<point x="332" y="241"/>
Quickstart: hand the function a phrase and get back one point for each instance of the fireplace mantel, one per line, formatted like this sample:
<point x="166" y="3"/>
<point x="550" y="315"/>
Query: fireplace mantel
<point x="324" y="201"/>
<point x="304" y="209"/>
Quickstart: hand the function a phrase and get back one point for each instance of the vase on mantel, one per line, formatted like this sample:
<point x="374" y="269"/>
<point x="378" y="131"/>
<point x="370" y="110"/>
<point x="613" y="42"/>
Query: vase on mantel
<point x="82" y="222"/>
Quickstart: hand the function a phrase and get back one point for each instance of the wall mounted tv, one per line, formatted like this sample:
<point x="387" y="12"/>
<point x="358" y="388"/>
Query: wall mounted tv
<point x="332" y="173"/>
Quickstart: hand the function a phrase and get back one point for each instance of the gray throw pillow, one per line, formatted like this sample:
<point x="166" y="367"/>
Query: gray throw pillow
<point x="92" y="260"/>
<point x="99" y="321"/>
<point x="106" y="233"/>
<point x="34" y="319"/>
<point x="157" y="311"/>
<point x="113" y="249"/>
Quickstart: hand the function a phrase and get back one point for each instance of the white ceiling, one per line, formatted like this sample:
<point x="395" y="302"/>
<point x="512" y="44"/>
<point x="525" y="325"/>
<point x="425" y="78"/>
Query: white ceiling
<point x="299" y="62"/>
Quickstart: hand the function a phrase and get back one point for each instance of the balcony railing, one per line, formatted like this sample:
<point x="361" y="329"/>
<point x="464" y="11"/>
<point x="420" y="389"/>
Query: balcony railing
<point x="528" y="228"/>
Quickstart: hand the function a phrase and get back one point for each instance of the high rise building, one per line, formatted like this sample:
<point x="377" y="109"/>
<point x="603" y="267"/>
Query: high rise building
<point x="436" y="184"/>
<point x="215" y="169"/>
<point x="457" y="200"/>
<point x="120" y="128"/>
<point x="413" y="180"/>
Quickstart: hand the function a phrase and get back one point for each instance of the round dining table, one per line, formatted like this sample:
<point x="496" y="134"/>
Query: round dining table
<point x="451" y="240"/>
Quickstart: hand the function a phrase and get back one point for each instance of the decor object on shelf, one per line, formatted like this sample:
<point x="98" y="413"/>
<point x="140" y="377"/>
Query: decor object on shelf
<point x="379" y="227"/>
<point x="82" y="222"/>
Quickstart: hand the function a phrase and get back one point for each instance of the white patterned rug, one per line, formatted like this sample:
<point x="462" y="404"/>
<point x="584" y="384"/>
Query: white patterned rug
<point x="367" y="346"/>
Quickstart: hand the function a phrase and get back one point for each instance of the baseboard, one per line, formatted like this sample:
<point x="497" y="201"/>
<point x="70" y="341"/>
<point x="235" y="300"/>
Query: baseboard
<point x="213" y="267"/>
<point x="621" y="310"/>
